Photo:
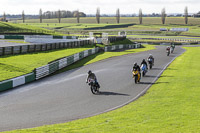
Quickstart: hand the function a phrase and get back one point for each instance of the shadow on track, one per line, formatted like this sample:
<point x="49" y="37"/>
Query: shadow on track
<point x="150" y="76"/>
<point x="171" y="69"/>
<point x="157" y="68"/>
<point x="162" y="69"/>
<point x="150" y="83"/>
<point x="106" y="93"/>
<point x="165" y="76"/>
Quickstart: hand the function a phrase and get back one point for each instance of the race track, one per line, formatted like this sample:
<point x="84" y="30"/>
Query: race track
<point x="66" y="96"/>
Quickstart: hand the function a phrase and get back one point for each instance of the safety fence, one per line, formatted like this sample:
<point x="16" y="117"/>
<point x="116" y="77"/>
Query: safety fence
<point x="22" y="37"/>
<point x="116" y="38"/>
<point x="169" y="39"/>
<point x="61" y="63"/>
<point x="41" y="47"/>
<point x="56" y="65"/>
<point x="118" y="47"/>
<point x="14" y="82"/>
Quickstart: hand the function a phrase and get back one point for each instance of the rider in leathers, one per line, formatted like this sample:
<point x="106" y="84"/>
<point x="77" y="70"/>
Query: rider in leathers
<point x="145" y="63"/>
<point x="92" y="76"/>
<point x="151" y="58"/>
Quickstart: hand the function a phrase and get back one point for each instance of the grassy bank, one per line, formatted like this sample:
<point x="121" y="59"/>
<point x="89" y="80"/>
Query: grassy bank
<point x="13" y="66"/>
<point x="170" y="105"/>
<point x="11" y="28"/>
<point x="112" y="20"/>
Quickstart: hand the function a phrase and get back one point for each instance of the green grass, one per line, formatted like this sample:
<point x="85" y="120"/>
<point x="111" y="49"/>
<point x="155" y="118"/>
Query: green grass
<point x="16" y="41"/>
<point x="151" y="25"/>
<point x="9" y="28"/>
<point x="112" y="20"/>
<point x="171" y="105"/>
<point x="13" y="66"/>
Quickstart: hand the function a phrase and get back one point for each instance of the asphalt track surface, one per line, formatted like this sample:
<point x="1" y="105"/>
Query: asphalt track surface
<point x="6" y="43"/>
<point x="66" y="97"/>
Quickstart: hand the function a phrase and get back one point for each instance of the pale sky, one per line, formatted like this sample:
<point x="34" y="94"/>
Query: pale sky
<point x="106" y="6"/>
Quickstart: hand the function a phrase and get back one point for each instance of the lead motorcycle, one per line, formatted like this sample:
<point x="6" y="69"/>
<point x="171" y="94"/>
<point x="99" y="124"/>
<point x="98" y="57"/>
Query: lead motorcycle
<point x="93" y="86"/>
<point x="136" y="76"/>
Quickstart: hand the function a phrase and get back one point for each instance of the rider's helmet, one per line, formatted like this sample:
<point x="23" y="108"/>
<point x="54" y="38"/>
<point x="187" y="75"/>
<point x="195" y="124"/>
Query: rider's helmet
<point x="150" y="55"/>
<point x="135" y="64"/>
<point x="89" y="72"/>
<point x="143" y="60"/>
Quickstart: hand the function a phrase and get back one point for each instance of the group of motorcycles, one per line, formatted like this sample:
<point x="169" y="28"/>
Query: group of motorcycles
<point x="94" y="86"/>
<point x="137" y="74"/>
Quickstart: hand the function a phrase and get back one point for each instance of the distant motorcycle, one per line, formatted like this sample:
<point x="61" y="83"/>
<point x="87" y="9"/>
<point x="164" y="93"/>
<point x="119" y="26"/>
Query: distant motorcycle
<point x="150" y="61"/>
<point x="93" y="86"/>
<point x="168" y="51"/>
<point x="172" y="49"/>
<point x="136" y="76"/>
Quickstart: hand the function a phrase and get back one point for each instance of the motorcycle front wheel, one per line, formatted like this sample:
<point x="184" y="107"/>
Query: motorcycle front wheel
<point x="136" y="79"/>
<point x="94" y="89"/>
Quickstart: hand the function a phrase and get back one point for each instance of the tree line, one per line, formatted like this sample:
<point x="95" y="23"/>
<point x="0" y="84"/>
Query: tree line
<point x="60" y="14"/>
<point x="68" y="14"/>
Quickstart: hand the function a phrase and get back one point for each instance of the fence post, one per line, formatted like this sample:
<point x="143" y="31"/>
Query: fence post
<point x="20" y="49"/>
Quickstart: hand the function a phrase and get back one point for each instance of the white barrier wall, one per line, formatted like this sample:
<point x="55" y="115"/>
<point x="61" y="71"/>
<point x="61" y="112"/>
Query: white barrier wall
<point x="18" y="81"/>
<point x="62" y="63"/>
<point x="48" y="40"/>
<point x="76" y="57"/>
<point x="85" y="53"/>
<point x="39" y="36"/>
<point x="2" y="36"/>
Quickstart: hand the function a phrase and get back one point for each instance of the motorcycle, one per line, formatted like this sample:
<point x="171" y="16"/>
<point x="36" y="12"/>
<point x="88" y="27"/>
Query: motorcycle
<point x="136" y="76"/>
<point x="172" y="49"/>
<point x="93" y="86"/>
<point x="144" y="69"/>
<point x="168" y="52"/>
<point x="150" y="61"/>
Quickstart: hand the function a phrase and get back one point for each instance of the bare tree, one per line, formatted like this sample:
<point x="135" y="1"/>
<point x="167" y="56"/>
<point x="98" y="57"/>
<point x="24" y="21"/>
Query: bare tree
<point x="78" y="16"/>
<point x="118" y="15"/>
<point x="98" y="15"/>
<point x="40" y="14"/>
<point x="59" y="16"/>
<point x="23" y="16"/>
<point x="186" y="15"/>
<point x="4" y="16"/>
<point x="140" y="16"/>
<point x="163" y="15"/>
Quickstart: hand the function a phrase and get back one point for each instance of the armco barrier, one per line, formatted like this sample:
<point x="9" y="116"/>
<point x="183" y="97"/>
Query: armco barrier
<point x="54" y="66"/>
<point x="10" y="50"/>
<point x="36" y="36"/>
<point x="117" y="47"/>
<point x="14" y="82"/>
